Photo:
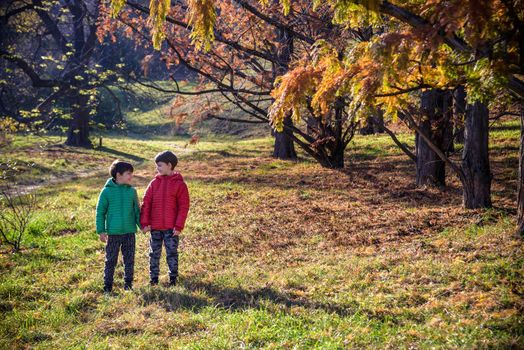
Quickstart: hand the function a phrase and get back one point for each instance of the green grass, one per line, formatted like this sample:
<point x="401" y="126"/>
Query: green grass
<point x="276" y="255"/>
<point x="39" y="159"/>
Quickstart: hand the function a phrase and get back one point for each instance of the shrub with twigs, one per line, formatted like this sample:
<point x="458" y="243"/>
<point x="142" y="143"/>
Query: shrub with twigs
<point x="16" y="207"/>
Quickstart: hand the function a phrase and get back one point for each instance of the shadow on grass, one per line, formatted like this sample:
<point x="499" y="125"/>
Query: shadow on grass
<point x="171" y="300"/>
<point x="505" y="127"/>
<point x="121" y="154"/>
<point x="221" y="154"/>
<point x="238" y="299"/>
<point x="390" y="179"/>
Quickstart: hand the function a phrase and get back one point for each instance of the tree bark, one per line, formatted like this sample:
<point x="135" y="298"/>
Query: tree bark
<point x="284" y="147"/>
<point x="335" y="160"/>
<point x="475" y="158"/>
<point x="378" y="122"/>
<point x="312" y="126"/>
<point x="431" y="169"/>
<point x="78" y="132"/>
<point x="374" y="124"/>
<point x="520" y="198"/>
<point x="337" y="145"/>
<point x="459" y="110"/>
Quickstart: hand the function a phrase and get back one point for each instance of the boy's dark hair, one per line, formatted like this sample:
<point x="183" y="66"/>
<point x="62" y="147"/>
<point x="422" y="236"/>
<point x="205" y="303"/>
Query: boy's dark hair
<point x="167" y="157"/>
<point x="120" y="168"/>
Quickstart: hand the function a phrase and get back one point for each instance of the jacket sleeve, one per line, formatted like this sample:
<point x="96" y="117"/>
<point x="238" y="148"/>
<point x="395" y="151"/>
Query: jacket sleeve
<point x="182" y="200"/>
<point x="101" y="212"/>
<point x="136" y="208"/>
<point x="145" y="211"/>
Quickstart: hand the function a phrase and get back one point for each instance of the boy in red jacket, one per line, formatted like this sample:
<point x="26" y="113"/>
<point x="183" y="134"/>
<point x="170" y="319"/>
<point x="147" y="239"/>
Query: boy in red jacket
<point x="164" y="212"/>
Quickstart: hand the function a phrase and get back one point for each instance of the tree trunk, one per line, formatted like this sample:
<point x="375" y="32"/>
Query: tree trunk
<point x="78" y="133"/>
<point x="367" y="128"/>
<point x="335" y="160"/>
<point x="475" y="158"/>
<point x="284" y="147"/>
<point x="520" y="198"/>
<point x="312" y="126"/>
<point x="431" y="169"/>
<point x="447" y="131"/>
<point x="459" y="110"/>
<point x="378" y="123"/>
<point x="335" y="145"/>
<point x="374" y="124"/>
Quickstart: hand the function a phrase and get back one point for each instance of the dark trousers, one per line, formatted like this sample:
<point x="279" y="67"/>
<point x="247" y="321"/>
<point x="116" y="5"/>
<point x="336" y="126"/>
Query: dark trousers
<point x="155" y="250"/>
<point x="115" y="243"/>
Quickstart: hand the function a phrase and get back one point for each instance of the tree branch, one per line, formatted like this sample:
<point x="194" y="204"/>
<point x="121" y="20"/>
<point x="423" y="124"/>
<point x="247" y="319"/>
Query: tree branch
<point x="209" y="115"/>
<point x="400" y="144"/>
<point x="274" y="22"/>
<point x="29" y="71"/>
<point x="514" y="84"/>
<point x="403" y="91"/>
<point x="218" y="36"/>
<point x="51" y="26"/>
<point x="432" y="145"/>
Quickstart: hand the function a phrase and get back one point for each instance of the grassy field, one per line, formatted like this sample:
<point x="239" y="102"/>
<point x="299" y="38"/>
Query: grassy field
<point x="275" y="254"/>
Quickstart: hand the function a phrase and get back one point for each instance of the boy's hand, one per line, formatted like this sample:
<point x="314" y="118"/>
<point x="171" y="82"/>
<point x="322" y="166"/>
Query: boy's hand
<point x="176" y="233"/>
<point x="103" y="237"/>
<point x="146" y="229"/>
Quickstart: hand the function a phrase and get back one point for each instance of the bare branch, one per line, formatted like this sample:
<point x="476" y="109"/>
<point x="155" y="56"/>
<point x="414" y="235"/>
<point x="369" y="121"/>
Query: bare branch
<point x="209" y="115"/>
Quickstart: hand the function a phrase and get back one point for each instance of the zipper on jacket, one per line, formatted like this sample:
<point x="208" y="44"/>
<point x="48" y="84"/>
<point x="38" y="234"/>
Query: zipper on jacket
<point x="164" y="183"/>
<point x="121" y="209"/>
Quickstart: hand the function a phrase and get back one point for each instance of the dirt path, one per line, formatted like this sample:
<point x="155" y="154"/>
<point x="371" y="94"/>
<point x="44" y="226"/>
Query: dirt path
<point x="25" y="188"/>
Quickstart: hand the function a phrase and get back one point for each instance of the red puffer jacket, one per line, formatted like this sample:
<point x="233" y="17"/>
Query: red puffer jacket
<point x="166" y="203"/>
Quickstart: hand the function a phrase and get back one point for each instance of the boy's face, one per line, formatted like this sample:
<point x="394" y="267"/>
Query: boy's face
<point x="124" y="178"/>
<point x="163" y="168"/>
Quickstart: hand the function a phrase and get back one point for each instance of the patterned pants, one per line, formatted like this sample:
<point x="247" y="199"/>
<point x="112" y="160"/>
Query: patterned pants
<point x="115" y="243"/>
<point x="155" y="244"/>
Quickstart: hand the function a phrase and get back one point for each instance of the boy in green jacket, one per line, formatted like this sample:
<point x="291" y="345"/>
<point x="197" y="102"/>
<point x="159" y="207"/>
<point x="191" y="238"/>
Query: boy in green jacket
<point x="117" y="217"/>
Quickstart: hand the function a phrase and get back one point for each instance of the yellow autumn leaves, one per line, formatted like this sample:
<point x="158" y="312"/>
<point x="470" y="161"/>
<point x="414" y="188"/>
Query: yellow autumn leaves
<point x="201" y="16"/>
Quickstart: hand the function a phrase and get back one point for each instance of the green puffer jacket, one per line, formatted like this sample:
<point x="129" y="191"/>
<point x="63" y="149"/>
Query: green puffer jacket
<point x="117" y="210"/>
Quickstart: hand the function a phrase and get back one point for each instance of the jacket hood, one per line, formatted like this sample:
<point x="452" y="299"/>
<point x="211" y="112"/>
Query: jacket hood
<point x="174" y="177"/>
<point x="112" y="183"/>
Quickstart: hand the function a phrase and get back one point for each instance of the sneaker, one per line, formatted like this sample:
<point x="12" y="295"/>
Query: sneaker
<point x="108" y="289"/>
<point x="172" y="282"/>
<point x="128" y="286"/>
<point x="153" y="282"/>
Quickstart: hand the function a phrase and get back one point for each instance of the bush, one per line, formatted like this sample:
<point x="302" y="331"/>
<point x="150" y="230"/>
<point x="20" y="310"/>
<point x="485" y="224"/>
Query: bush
<point x="16" y="208"/>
